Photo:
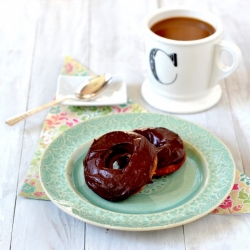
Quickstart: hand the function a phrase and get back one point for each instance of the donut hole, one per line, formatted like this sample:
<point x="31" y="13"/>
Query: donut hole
<point x="121" y="162"/>
<point x="118" y="156"/>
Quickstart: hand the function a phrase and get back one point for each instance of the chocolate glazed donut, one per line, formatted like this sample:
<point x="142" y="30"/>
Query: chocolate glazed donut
<point x="136" y="159"/>
<point x="169" y="146"/>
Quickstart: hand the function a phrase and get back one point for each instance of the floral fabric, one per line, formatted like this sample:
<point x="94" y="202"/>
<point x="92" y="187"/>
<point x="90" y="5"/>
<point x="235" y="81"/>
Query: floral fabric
<point x="238" y="200"/>
<point x="61" y="118"/>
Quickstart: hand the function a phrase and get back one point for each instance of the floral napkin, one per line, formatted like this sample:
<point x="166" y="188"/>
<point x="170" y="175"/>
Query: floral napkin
<point x="61" y="117"/>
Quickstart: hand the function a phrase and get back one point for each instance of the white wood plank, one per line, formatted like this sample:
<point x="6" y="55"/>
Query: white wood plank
<point x="107" y="36"/>
<point x="44" y="226"/>
<point x="225" y="232"/>
<point x="236" y="30"/>
<point x="118" y="45"/>
<point x="17" y="35"/>
<point x="112" y="239"/>
<point x="62" y="30"/>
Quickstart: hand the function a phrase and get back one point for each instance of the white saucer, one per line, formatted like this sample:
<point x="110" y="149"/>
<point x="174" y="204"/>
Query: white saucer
<point x="179" y="106"/>
<point x="114" y="94"/>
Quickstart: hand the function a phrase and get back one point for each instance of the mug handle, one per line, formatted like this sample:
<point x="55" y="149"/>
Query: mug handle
<point x="220" y="70"/>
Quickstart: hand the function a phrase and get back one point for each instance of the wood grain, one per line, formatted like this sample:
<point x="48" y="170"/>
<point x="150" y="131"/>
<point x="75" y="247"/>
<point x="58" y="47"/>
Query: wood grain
<point x="16" y="63"/>
<point x="107" y="36"/>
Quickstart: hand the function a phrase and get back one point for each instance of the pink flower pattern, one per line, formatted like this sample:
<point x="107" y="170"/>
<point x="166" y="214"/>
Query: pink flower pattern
<point x="39" y="194"/>
<point x="227" y="204"/>
<point x="61" y="117"/>
<point x="230" y="205"/>
<point x="237" y="208"/>
<point x="236" y="186"/>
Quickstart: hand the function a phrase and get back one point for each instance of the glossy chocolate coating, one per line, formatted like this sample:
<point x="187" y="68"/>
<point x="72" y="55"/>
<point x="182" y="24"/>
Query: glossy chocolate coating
<point x="169" y="146"/>
<point x="136" y="157"/>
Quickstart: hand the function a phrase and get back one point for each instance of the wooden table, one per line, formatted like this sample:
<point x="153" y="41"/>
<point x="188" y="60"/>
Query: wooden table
<point x="107" y="36"/>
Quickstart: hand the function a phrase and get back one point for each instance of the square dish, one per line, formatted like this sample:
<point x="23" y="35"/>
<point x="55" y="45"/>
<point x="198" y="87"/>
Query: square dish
<point x="114" y="94"/>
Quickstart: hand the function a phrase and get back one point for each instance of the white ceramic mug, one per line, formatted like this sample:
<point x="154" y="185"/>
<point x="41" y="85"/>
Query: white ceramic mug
<point x="186" y="70"/>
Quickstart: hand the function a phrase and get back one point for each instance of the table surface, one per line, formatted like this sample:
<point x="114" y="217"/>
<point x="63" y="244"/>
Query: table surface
<point x="107" y="36"/>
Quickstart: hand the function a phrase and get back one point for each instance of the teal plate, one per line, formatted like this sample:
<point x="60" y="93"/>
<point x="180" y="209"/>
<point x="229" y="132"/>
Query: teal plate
<point x="199" y="186"/>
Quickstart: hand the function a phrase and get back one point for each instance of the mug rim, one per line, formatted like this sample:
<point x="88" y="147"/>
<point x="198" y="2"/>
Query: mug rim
<point x="187" y="12"/>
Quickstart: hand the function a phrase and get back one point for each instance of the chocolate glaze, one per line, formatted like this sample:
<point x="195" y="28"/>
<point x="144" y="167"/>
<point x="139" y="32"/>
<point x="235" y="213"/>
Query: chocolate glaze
<point x="136" y="157"/>
<point x="169" y="146"/>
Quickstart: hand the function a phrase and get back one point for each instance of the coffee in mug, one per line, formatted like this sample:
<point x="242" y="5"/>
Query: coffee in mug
<point x="183" y="58"/>
<point x="183" y="29"/>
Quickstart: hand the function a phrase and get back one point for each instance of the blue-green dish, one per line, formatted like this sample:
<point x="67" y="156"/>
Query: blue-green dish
<point x="198" y="187"/>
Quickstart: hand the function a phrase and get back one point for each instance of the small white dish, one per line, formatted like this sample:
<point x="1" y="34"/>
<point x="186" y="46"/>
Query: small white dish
<point x="114" y="94"/>
<point x="180" y="106"/>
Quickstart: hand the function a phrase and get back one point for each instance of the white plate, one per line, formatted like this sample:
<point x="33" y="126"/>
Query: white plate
<point x="114" y="94"/>
<point x="179" y="106"/>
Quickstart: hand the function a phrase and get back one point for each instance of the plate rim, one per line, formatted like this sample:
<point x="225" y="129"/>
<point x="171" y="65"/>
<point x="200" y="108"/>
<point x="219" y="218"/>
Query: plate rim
<point x="149" y="228"/>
